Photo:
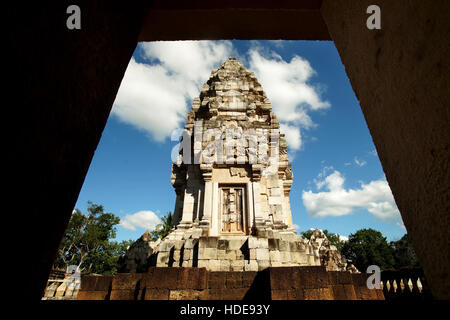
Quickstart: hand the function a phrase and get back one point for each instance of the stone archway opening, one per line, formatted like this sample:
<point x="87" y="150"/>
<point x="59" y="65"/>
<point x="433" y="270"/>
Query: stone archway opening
<point x="398" y="73"/>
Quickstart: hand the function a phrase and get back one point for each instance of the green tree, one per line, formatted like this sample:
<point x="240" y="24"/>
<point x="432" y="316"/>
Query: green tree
<point x="162" y="229"/>
<point x="307" y="234"/>
<point x="86" y="242"/>
<point x="404" y="255"/>
<point x="104" y="260"/>
<point x="368" y="247"/>
<point x="334" y="239"/>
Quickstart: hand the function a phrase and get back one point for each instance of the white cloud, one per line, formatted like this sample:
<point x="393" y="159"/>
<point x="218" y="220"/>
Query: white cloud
<point x="142" y="219"/>
<point x="320" y="182"/>
<point x="149" y="99"/>
<point x="375" y="197"/>
<point x="286" y="86"/>
<point x="293" y="136"/>
<point x="191" y="61"/>
<point x="296" y="227"/>
<point x="360" y="163"/>
<point x="154" y="97"/>
<point x="277" y="43"/>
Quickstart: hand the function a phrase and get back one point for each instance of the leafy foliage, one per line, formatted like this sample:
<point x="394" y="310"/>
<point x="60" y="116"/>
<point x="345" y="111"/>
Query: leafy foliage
<point x="404" y="255"/>
<point x="368" y="247"/>
<point x="163" y="228"/>
<point x="86" y="242"/>
<point x="307" y="234"/>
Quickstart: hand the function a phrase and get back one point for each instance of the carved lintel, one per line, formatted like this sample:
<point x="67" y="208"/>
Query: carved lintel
<point x="238" y="171"/>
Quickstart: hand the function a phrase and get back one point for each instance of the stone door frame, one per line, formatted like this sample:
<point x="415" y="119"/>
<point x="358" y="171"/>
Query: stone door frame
<point x="244" y="210"/>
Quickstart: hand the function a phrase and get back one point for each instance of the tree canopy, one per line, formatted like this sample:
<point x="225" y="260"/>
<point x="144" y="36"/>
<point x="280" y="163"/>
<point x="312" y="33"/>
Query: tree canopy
<point x="162" y="229"/>
<point x="86" y="242"/>
<point x="368" y="247"/>
<point x="404" y="255"/>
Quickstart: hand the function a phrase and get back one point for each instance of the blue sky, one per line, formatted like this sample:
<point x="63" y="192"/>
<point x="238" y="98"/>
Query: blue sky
<point x="339" y="183"/>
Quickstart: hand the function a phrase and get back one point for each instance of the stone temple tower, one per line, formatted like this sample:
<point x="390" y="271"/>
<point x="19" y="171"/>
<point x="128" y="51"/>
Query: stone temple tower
<point x="232" y="178"/>
<point x="237" y="178"/>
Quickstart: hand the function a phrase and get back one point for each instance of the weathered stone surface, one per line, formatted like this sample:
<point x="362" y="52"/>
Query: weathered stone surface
<point x="291" y="283"/>
<point x="403" y="72"/>
<point x="126" y="281"/>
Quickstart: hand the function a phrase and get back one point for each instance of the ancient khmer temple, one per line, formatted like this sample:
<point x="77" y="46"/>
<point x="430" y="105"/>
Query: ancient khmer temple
<point x="232" y="179"/>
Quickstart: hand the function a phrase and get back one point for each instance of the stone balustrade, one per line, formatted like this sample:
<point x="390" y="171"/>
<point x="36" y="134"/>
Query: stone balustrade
<point x="405" y="284"/>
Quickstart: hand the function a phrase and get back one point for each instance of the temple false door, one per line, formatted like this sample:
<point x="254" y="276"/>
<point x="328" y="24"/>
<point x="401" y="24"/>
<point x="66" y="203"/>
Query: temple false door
<point x="233" y="210"/>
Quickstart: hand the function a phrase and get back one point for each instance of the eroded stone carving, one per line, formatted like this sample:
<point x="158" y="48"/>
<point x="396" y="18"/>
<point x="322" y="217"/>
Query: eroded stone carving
<point x="241" y="172"/>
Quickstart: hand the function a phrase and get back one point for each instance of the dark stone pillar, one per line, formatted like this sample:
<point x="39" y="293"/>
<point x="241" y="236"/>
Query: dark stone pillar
<point x="400" y="75"/>
<point x="62" y="86"/>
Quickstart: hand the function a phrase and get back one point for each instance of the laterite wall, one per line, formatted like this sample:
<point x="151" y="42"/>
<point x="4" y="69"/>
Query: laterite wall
<point x="281" y="283"/>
